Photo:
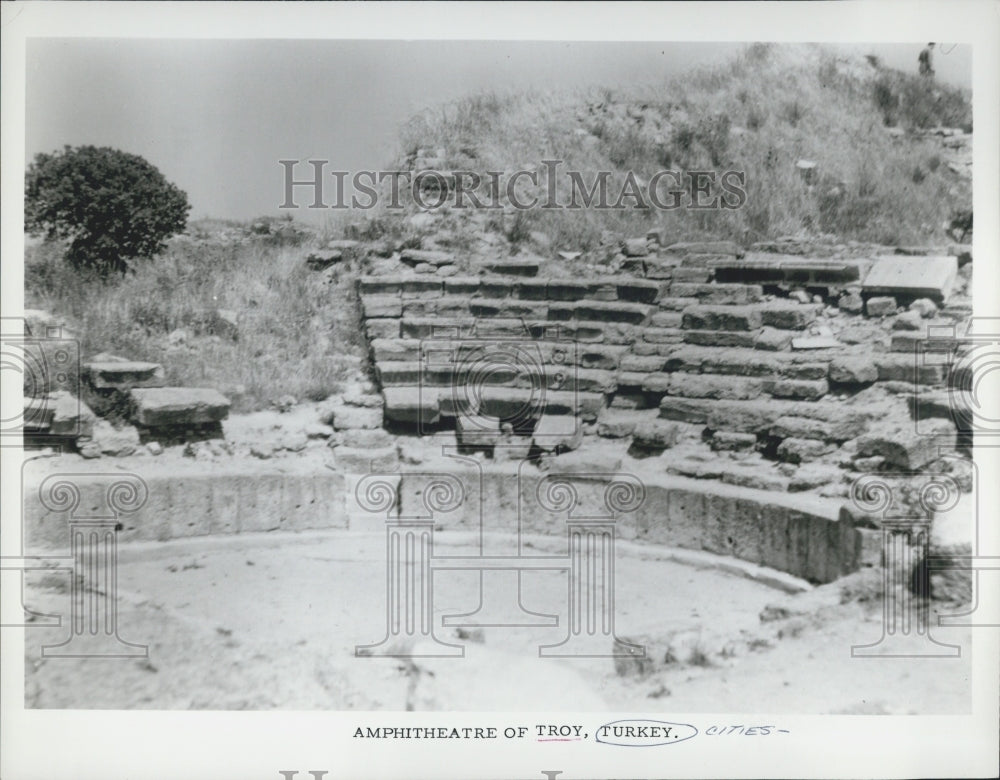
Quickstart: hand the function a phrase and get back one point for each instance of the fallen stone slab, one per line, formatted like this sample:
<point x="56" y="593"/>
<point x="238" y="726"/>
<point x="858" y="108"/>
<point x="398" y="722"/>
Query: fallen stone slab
<point x="156" y="407"/>
<point x="912" y="277"/>
<point x="123" y="375"/>
<point x="880" y="306"/>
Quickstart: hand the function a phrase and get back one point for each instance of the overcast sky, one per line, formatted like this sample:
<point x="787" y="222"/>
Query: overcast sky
<point x="215" y="116"/>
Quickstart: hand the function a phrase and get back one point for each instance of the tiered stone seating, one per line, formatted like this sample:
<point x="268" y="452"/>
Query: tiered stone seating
<point x="725" y="353"/>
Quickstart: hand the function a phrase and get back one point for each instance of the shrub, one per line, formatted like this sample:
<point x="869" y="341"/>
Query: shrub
<point x="112" y="207"/>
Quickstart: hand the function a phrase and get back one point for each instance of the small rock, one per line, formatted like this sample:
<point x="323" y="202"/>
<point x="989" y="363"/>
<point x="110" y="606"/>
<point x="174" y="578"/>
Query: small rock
<point x="851" y="302"/>
<point x="925" y="307"/>
<point x="154" y="448"/>
<point x="908" y="320"/>
<point x="799" y="295"/>
<point x="90" y="450"/>
<point x="178" y="338"/>
<point x="285" y="403"/>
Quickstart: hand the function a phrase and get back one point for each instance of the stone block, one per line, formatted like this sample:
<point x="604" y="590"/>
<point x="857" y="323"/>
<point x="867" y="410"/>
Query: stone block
<point x="513" y="266"/>
<point x="666" y="319"/>
<point x="773" y="340"/>
<point x="531" y="289"/>
<point x="880" y="306"/>
<point x="394" y="349"/>
<point x="347" y="418"/>
<point x="615" y="424"/>
<point x="657" y="435"/>
<point x="461" y="285"/>
<point x="123" y="375"/>
<point x="789" y="316"/>
<point x="725" y="318"/>
<point x="720" y="338"/>
<point x="635" y="247"/>
<point x="383" y="328"/>
<point x="718" y="294"/>
<point x="411" y="405"/>
<point x="638" y="290"/>
<point x="908" y="368"/>
<point x="853" y="370"/>
<point x="156" y="407"/>
<point x="381" y="306"/>
<point x="912" y="277"/>
<point x="805" y="389"/>
<point x="380" y="285"/>
<point x="791" y="426"/>
<point x="642" y="364"/>
<point x="674" y="304"/>
<point x="689" y="410"/>
<point x="367" y="460"/>
<point x="607" y="311"/>
<point x="553" y="433"/>
<point x="656" y="383"/>
<point x="566" y="290"/>
<point x="425" y="286"/>
<point x="603" y="356"/>
<point x="715" y="386"/>
<point x="663" y="335"/>
<point x="908" y="449"/>
<point x="730" y="441"/>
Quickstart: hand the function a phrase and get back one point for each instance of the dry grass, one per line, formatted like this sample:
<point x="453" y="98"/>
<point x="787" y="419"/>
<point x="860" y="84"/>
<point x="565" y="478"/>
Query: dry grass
<point x="296" y="328"/>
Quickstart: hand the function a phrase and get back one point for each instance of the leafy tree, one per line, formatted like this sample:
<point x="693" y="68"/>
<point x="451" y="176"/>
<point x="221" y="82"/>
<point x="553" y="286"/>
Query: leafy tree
<point x="113" y="207"/>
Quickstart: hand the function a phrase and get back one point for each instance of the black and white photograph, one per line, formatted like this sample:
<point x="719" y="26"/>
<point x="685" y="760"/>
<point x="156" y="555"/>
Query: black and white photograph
<point x="447" y="404"/>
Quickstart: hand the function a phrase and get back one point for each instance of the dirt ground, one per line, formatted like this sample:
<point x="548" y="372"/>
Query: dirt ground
<point x="271" y="621"/>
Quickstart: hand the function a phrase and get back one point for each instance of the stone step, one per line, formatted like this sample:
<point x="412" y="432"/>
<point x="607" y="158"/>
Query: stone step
<point x="754" y="416"/>
<point x="156" y="407"/>
<point x="717" y="293"/>
<point x="414" y="257"/>
<point x="726" y="318"/>
<point x="746" y="362"/>
<point x="786" y="270"/>
<point x="495" y="373"/>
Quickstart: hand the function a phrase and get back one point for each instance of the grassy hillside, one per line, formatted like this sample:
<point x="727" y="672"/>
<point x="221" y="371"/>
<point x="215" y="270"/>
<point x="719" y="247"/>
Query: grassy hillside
<point x="296" y="331"/>
<point x="759" y="113"/>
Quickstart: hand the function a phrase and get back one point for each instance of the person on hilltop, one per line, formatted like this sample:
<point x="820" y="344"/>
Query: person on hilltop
<point x="925" y="61"/>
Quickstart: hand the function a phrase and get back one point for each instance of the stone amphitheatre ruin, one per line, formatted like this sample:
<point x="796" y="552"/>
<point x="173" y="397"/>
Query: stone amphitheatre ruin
<point x="800" y="408"/>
